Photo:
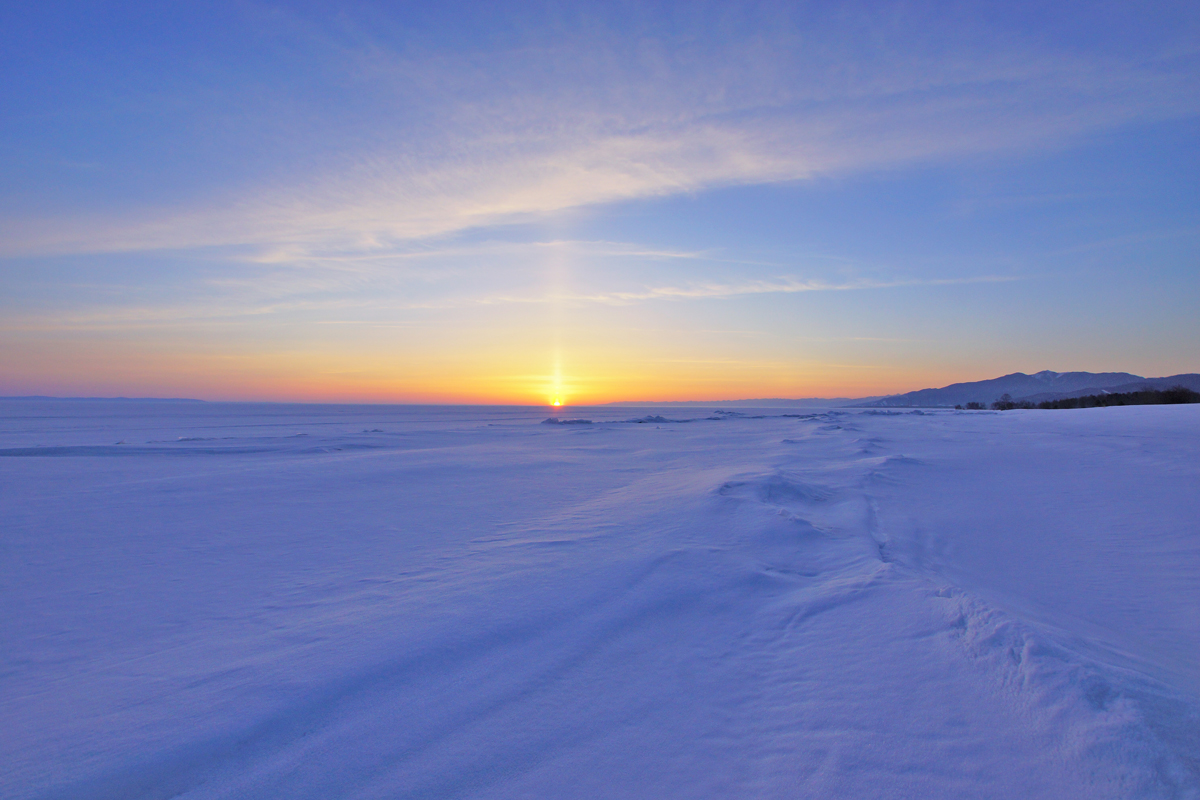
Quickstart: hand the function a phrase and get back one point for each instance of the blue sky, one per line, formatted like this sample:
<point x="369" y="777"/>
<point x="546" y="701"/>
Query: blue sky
<point x="508" y="202"/>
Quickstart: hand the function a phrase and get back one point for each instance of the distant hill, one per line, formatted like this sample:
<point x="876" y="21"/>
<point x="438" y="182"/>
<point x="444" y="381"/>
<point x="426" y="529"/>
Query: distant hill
<point x="1188" y="380"/>
<point x="1045" y="385"/>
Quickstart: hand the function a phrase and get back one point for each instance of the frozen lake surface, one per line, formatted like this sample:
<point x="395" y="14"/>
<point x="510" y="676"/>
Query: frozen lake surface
<point x="278" y="601"/>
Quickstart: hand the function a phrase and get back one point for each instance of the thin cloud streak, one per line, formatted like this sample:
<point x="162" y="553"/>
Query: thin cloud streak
<point x="223" y="313"/>
<point x="723" y="291"/>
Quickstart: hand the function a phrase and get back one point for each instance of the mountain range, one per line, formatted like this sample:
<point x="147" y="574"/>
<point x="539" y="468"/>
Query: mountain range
<point x="1044" y="385"/>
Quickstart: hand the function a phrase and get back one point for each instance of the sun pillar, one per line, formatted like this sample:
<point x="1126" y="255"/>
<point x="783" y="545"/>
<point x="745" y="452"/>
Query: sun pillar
<point x="556" y="383"/>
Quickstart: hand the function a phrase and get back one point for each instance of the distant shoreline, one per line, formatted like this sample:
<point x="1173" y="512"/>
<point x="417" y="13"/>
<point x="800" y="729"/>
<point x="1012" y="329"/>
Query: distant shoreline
<point x="767" y="402"/>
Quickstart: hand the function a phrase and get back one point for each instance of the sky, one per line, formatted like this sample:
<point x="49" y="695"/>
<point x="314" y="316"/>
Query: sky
<point x="592" y="202"/>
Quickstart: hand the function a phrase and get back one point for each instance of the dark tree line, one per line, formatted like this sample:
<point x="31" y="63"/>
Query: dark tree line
<point x="1006" y="403"/>
<point x="1146" y="397"/>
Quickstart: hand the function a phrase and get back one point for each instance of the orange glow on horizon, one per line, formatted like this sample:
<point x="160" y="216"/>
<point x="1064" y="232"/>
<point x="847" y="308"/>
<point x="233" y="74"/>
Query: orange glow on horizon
<point x="254" y="380"/>
<point x="508" y="372"/>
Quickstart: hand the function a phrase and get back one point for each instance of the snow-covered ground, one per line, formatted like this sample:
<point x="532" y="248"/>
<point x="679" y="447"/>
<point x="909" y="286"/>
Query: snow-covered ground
<point x="273" y="601"/>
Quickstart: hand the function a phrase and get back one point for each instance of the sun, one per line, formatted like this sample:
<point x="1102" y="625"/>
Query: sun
<point x="556" y="402"/>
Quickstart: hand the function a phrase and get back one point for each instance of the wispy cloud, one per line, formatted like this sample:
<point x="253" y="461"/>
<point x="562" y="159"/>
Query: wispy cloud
<point x="716" y="291"/>
<point x="580" y="116"/>
<point x="253" y="300"/>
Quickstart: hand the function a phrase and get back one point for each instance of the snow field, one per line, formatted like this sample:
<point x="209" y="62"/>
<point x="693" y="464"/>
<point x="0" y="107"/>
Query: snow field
<point x="312" y="602"/>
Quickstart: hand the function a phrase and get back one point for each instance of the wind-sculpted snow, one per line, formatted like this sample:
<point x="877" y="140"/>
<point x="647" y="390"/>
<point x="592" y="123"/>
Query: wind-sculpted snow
<point x="240" y="601"/>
